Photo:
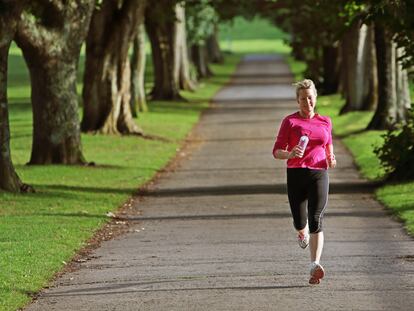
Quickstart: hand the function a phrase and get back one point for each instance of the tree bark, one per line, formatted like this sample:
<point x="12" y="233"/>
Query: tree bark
<point x="199" y="57"/>
<point x="393" y="99"/>
<point x="330" y="69"/>
<point x="402" y="89"/>
<point x="107" y="78"/>
<point x="213" y="48"/>
<point x="360" y="92"/>
<point x="138" y="59"/>
<point x="9" y="180"/>
<point x="51" y="47"/>
<point x="160" y="24"/>
<point x="370" y="92"/>
<point x="182" y="62"/>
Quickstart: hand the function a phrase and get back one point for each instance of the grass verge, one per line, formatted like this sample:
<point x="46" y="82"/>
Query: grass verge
<point x="41" y="232"/>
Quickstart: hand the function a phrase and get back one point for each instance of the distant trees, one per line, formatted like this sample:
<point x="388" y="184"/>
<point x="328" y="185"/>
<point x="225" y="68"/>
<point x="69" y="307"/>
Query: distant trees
<point x="359" y="48"/>
<point x="351" y="46"/>
<point x="201" y="23"/>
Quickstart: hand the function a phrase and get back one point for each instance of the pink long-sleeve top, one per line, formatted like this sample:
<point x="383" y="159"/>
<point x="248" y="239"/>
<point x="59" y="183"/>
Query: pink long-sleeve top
<point x="319" y="131"/>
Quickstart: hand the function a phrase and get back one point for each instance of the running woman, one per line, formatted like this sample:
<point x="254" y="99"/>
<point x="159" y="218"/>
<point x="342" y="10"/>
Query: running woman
<point x="307" y="171"/>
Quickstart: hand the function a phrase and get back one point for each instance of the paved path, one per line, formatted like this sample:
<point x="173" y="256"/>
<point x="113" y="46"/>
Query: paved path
<point x="218" y="233"/>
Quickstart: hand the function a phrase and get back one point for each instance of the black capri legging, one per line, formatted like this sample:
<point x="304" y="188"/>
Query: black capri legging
<point x="308" y="197"/>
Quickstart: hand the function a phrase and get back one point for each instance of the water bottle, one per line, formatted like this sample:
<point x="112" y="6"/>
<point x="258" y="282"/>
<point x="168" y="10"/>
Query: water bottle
<point x="303" y="142"/>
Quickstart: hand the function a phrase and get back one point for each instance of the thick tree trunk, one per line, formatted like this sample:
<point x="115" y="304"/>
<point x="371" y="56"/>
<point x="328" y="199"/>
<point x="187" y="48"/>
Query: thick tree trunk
<point x="51" y="51"/>
<point x="9" y="180"/>
<point x="182" y="62"/>
<point x="56" y="133"/>
<point x="160" y="23"/>
<point x="359" y="64"/>
<point x="138" y="58"/>
<point x="330" y="69"/>
<point x="199" y="57"/>
<point x="213" y="48"/>
<point x="393" y="99"/>
<point x="107" y="77"/>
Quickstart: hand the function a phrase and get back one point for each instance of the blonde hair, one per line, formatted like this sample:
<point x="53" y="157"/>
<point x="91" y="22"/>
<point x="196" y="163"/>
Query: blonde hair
<point x="306" y="84"/>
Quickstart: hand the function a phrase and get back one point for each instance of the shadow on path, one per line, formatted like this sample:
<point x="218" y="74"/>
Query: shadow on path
<point x="338" y="187"/>
<point x="112" y="290"/>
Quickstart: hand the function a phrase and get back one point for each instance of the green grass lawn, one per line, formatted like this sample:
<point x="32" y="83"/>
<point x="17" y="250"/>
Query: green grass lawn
<point x="41" y="232"/>
<point x="252" y="36"/>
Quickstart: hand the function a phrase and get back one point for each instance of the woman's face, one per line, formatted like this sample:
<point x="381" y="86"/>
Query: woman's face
<point x="307" y="101"/>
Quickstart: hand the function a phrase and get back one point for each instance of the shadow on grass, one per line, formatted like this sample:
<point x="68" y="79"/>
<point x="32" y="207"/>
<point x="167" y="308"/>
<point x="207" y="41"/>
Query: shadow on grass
<point x="75" y="215"/>
<point x="84" y="167"/>
<point x="19" y="106"/>
<point x="86" y="189"/>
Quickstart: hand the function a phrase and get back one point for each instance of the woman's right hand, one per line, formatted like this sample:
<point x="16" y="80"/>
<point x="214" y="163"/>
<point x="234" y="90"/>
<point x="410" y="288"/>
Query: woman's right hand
<point x="296" y="152"/>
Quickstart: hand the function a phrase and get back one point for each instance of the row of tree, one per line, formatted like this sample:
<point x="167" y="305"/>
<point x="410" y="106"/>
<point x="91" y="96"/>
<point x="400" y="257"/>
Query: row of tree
<point x="51" y="34"/>
<point x="360" y="48"/>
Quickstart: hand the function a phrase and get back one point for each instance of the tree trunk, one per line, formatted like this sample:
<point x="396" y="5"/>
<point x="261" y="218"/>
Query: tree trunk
<point x="330" y="69"/>
<point x="199" y="56"/>
<point x="370" y="92"/>
<point x="160" y="23"/>
<point x="9" y="180"/>
<point x="393" y="99"/>
<point x="138" y="58"/>
<point x="56" y="134"/>
<point x="51" y="47"/>
<point x="182" y="62"/>
<point x="107" y="77"/>
<point x="359" y="64"/>
<point x="213" y="48"/>
<point x="402" y="89"/>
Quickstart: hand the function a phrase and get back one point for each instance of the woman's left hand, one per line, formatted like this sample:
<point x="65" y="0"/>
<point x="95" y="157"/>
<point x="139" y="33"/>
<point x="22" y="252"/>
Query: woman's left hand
<point x="331" y="161"/>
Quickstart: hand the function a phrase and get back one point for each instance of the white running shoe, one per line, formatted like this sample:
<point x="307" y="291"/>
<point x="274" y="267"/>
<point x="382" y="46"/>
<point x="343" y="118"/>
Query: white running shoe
<point x="303" y="240"/>
<point x="316" y="273"/>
